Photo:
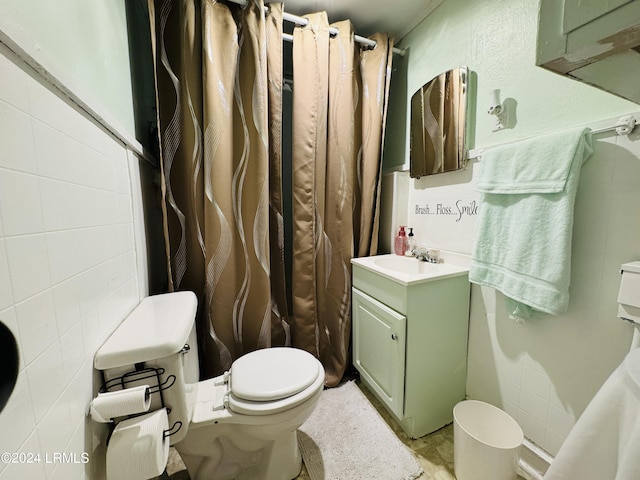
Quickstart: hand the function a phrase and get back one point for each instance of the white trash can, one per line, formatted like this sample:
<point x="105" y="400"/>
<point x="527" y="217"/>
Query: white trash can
<point x="486" y="442"/>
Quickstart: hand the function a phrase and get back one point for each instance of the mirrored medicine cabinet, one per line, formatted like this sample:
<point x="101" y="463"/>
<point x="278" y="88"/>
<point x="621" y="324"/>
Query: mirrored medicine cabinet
<point x="438" y="121"/>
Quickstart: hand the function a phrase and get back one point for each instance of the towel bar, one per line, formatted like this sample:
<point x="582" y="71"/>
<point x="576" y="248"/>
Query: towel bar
<point x="624" y="126"/>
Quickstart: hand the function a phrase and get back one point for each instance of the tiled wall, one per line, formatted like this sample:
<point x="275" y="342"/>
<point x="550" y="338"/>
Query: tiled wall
<point x="545" y="371"/>
<point x="68" y="271"/>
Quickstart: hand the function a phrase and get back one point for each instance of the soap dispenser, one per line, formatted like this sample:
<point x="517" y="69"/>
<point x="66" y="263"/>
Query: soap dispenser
<point x="401" y="242"/>
<point x="411" y="243"/>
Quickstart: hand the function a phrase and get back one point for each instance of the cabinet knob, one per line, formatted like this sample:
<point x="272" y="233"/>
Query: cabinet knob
<point x="394" y="336"/>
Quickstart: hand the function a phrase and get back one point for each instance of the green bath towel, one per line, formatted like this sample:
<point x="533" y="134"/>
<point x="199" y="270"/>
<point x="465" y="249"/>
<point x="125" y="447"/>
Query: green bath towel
<point x="523" y="240"/>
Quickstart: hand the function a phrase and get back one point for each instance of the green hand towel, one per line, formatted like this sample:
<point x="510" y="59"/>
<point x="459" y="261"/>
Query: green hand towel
<point x="523" y="240"/>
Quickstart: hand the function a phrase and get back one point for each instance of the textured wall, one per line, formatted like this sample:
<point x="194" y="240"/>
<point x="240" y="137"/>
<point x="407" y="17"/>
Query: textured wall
<point x="543" y="372"/>
<point x="82" y="44"/>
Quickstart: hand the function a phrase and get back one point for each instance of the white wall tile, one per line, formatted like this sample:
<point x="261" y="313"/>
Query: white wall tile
<point x="558" y="363"/>
<point x="534" y="405"/>
<point x="55" y="431"/>
<point x="534" y="428"/>
<point x="17" y="420"/>
<point x="122" y="179"/>
<point x="67" y="265"/>
<point x="68" y="206"/>
<point x="6" y="292"/>
<point x="37" y="323"/>
<point x="73" y="353"/>
<point x="73" y="470"/>
<point x="95" y="138"/>
<point x="17" y="152"/>
<point x="56" y="112"/>
<point x="13" y="81"/>
<point x="73" y="251"/>
<point x="110" y="312"/>
<point x="126" y="237"/>
<point x="67" y="304"/>
<point x="32" y="471"/>
<point x="91" y="330"/>
<point x="441" y="210"/>
<point x="553" y="440"/>
<point x="93" y="285"/>
<point x="130" y="295"/>
<point x="125" y="212"/>
<point x="57" y="155"/>
<point x="20" y="203"/>
<point x="107" y="168"/>
<point x="560" y="420"/>
<point x="64" y="158"/>
<point x="46" y="380"/>
<point x="536" y="381"/>
<point x="80" y="391"/>
<point x="509" y="391"/>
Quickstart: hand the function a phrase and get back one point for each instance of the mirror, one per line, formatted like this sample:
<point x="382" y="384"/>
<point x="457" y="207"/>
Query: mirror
<point x="438" y="118"/>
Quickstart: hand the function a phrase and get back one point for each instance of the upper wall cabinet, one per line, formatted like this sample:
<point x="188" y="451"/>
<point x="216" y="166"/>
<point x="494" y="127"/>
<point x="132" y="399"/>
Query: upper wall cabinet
<point x="594" y="41"/>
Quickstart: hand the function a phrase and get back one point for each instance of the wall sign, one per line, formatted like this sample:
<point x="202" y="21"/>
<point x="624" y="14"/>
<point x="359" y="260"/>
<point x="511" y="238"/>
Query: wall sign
<point x="453" y="208"/>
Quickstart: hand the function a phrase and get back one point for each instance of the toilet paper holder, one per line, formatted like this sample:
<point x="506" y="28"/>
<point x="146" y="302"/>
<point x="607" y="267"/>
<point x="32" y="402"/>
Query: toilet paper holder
<point x="173" y="430"/>
<point x="140" y="375"/>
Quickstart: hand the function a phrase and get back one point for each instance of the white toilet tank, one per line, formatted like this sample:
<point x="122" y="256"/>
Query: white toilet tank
<point x="159" y="334"/>
<point x="629" y="295"/>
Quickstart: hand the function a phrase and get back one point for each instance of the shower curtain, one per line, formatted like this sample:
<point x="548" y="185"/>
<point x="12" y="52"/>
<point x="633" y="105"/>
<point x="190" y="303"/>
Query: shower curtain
<point x="219" y="88"/>
<point x="338" y="104"/>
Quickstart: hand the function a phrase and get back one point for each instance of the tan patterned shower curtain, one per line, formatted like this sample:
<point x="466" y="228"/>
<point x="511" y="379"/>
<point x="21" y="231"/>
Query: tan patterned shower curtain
<point x="339" y="103"/>
<point x="220" y="178"/>
<point x="219" y="87"/>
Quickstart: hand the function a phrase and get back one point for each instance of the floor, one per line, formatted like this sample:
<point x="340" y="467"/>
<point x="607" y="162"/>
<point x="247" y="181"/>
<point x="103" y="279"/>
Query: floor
<point x="434" y="452"/>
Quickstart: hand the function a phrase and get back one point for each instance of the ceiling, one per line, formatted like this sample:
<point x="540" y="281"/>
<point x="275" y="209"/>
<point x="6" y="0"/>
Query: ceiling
<point x="395" y="17"/>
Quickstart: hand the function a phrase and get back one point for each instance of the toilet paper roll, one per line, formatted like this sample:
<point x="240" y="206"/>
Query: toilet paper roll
<point x="137" y="449"/>
<point x="121" y="403"/>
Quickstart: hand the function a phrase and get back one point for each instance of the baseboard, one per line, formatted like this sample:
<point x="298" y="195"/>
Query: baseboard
<point x="533" y="462"/>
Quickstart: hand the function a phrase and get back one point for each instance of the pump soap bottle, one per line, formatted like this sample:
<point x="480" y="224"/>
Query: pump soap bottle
<point x="401" y="242"/>
<point x="411" y="243"/>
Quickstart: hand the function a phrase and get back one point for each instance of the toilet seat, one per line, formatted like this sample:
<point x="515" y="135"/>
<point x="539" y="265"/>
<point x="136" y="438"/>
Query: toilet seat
<point x="272" y="380"/>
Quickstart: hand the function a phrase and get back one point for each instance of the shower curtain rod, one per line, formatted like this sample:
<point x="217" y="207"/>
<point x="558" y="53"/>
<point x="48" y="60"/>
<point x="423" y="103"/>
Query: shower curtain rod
<point x="333" y="31"/>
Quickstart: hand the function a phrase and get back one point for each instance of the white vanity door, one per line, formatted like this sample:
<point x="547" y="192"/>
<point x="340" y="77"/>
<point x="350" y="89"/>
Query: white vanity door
<point x="379" y="339"/>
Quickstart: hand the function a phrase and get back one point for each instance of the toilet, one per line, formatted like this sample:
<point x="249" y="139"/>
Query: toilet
<point x="239" y="425"/>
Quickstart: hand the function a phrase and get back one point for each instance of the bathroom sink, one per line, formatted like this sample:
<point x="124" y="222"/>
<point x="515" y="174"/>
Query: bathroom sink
<point x="406" y="264"/>
<point x="409" y="270"/>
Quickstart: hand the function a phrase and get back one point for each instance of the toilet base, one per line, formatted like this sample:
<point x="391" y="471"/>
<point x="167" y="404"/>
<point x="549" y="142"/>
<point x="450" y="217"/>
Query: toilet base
<point x="223" y="459"/>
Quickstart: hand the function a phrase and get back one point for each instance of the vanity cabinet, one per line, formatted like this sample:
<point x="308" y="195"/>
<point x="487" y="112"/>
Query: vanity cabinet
<point x="410" y="344"/>
<point x="594" y="41"/>
<point x="379" y="349"/>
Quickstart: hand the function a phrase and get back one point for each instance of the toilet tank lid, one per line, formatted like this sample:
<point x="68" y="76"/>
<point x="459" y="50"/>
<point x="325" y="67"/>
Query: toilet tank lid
<point x="631" y="267"/>
<point x="158" y="327"/>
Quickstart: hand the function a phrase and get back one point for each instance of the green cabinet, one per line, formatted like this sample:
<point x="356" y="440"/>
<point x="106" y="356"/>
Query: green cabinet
<point x="379" y="349"/>
<point x="410" y="345"/>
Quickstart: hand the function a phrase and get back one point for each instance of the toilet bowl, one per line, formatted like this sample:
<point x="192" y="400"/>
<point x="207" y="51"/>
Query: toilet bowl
<point x="239" y="425"/>
<point x="246" y="427"/>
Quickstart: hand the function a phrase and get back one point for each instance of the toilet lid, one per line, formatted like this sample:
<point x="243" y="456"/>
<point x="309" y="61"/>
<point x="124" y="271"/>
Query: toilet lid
<point x="272" y="374"/>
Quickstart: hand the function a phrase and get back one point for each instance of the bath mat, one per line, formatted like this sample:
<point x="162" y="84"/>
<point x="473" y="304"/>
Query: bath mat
<point x="345" y="438"/>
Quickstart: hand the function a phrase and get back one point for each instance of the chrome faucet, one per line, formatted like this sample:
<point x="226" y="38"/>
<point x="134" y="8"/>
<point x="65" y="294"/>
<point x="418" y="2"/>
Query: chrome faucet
<point x="425" y="255"/>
